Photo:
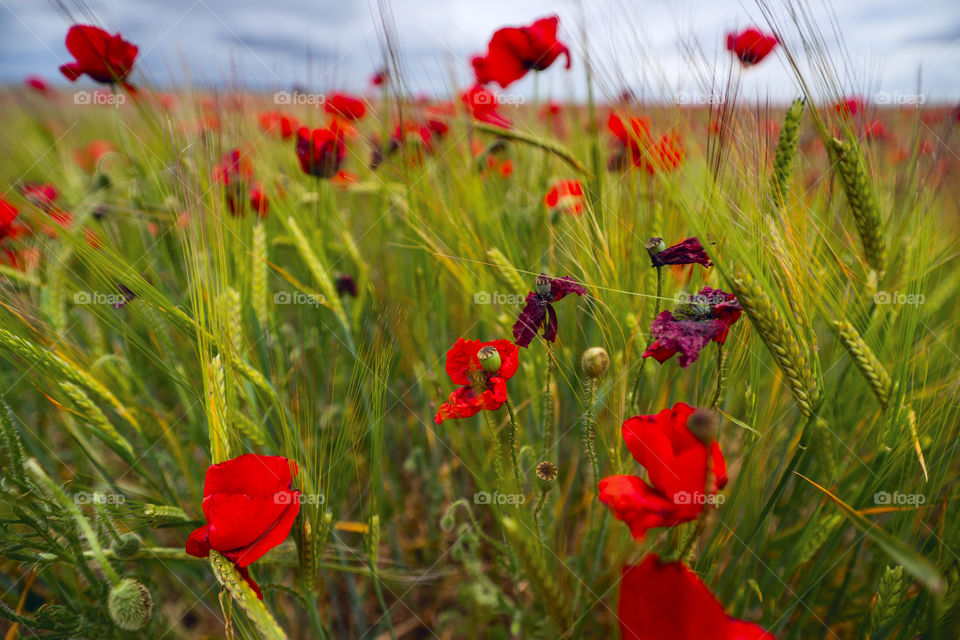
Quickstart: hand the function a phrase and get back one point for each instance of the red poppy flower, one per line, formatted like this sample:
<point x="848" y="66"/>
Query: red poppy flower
<point x="345" y="285"/>
<point x="345" y="106"/>
<point x="750" y="46"/>
<point x="258" y="200"/>
<point x="636" y="139"/>
<point x="689" y="251"/>
<point x="379" y="77"/>
<point x="234" y="172"/>
<point x="666" y="154"/>
<point x="850" y="106"/>
<point x="551" y="110"/>
<point x="667" y="601"/>
<point x="274" y="121"/>
<point x="43" y="196"/>
<point x="249" y="506"/>
<point x="320" y="151"/>
<point x="481" y="390"/>
<point x="565" y="196"/>
<point x="37" y="84"/>
<point x="676" y="461"/>
<point x="692" y="325"/>
<point x="8" y="225"/>
<point x="513" y="51"/>
<point x="103" y="57"/>
<point x="875" y="131"/>
<point x="88" y="156"/>
<point x="538" y="309"/>
<point x="483" y="106"/>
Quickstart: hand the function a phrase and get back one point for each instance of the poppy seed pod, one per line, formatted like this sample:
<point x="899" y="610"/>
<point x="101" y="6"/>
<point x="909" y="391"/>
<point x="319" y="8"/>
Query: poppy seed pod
<point x="546" y="475"/>
<point x="129" y="604"/>
<point x="655" y="245"/>
<point x="489" y="359"/>
<point x="704" y="424"/>
<point x="543" y="284"/>
<point x="594" y="362"/>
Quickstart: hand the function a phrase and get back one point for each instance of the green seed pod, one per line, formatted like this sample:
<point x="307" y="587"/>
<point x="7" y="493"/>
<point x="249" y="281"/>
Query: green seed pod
<point x="863" y="201"/>
<point x="129" y="604"/>
<point x="594" y="362"/>
<point x="890" y="594"/>
<point x="546" y="475"/>
<point x="489" y="359"/>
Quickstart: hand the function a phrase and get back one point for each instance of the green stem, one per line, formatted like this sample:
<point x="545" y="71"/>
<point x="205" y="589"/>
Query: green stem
<point x="548" y="408"/>
<point x="511" y="441"/>
<point x="589" y="428"/>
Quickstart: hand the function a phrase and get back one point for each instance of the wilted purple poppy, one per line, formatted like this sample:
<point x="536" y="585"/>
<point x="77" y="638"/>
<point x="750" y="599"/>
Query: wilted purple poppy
<point x="127" y="294"/>
<point x="345" y="285"/>
<point x="689" y="251"/>
<point x="538" y="309"/>
<point x="692" y="325"/>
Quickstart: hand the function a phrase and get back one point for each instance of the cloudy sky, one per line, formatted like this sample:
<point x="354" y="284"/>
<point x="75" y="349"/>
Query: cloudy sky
<point x="658" y="48"/>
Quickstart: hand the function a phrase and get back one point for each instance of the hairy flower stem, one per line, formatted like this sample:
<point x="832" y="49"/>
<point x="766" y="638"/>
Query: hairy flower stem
<point x="721" y="368"/>
<point x="548" y="408"/>
<point x="656" y="311"/>
<point x="589" y="427"/>
<point x="497" y="448"/>
<point x="538" y="509"/>
<point x="701" y="519"/>
<point x="510" y="440"/>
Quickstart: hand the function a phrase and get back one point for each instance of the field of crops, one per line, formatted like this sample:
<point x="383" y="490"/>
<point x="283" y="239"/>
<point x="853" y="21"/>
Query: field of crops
<point x="307" y="364"/>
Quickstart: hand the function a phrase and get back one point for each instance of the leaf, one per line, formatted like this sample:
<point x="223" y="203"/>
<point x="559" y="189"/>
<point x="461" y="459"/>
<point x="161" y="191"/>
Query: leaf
<point x="915" y="564"/>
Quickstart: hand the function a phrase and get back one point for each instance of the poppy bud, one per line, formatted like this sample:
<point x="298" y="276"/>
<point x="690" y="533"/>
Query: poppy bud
<point x="543" y="284"/>
<point x="129" y="604"/>
<point x="655" y="245"/>
<point x="704" y="424"/>
<point x="127" y="546"/>
<point x="489" y="359"/>
<point x="546" y="475"/>
<point x="594" y="362"/>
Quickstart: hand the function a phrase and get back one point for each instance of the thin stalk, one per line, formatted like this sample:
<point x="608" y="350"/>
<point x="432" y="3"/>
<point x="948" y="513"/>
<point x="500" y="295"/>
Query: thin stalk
<point x="548" y="408"/>
<point x="721" y="368"/>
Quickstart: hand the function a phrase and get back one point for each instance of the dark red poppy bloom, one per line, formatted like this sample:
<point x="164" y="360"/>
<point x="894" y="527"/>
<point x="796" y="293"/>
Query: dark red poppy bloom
<point x="274" y="121"/>
<point x="126" y="294"/>
<point x="676" y="461"/>
<point x="538" y="309"/>
<point x="566" y="196"/>
<point x="105" y="58"/>
<point x="250" y="506"/>
<point x="689" y="251"/>
<point x="692" y="325"/>
<point x="751" y="45"/>
<point x="667" y="601"/>
<point x="875" y="131"/>
<point x="482" y="390"/>
<point x="321" y="151"/>
<point x="513" y="51"/>
<point x="345" y="285"/>
<point x="345" y="106"/>
<point x="483" y="106"/>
